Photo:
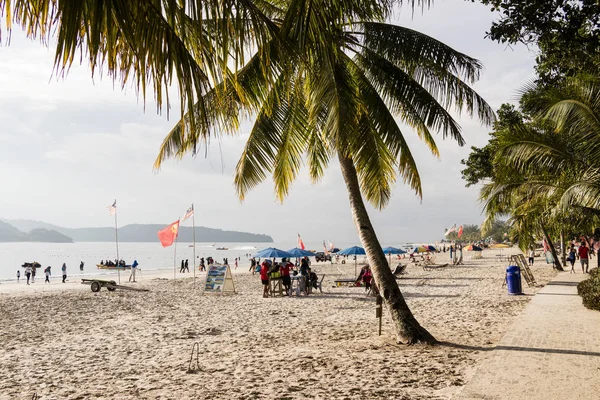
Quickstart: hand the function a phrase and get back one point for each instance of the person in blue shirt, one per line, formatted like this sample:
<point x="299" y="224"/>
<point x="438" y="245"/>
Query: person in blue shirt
<point x="133" y="270"/>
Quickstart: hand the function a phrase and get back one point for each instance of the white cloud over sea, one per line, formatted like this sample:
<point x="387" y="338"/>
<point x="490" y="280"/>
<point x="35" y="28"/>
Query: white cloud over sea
<point x="69" y="146"/>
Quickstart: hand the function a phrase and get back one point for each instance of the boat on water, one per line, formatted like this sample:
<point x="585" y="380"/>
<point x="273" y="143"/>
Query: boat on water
<point x="222" y="248"/>
<point x="102" y="266"/>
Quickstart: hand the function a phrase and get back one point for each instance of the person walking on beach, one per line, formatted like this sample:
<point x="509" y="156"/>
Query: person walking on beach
<point x="28" y="273"/>
<point x="583" y="258"/>
<point x="182" y="267"/>
<point x="571" y="258"/>
<point x="253" y="265"/>
<point x="33" y="268"/>
<point x="187" y="265"/>
<point x="133" y="270"/>
<point x="236" y="263"/>
<point x="47" y="273"/>
<point x="81" y="266"/>
<point x="531" y="257"/>
<point x="64" y="272"/>
<point x="18" y="275"/>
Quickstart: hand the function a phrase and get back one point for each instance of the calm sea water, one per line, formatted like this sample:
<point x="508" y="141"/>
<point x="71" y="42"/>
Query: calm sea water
<point x="150" y="256"/>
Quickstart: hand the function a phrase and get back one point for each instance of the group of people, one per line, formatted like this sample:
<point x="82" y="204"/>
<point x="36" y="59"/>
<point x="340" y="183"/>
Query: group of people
<point x="30" y="271"/>
<point x="583" y="254"/>
<point x="284" y="270"/>
<point x="110" y="263"/>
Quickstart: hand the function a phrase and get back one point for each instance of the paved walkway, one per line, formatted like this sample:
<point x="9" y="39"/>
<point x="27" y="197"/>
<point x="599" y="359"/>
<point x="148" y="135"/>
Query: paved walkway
<point x="552" y="350"/>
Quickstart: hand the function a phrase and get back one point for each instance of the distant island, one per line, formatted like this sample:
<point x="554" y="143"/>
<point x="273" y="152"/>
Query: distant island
<point x="8" y="233"/>
<point x="24" y="230"/>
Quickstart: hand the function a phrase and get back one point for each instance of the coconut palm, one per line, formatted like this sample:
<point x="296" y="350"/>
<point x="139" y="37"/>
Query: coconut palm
<point x="334" y="92"/>
<point x="554" y="162"/>
<point x="148" y="42"/>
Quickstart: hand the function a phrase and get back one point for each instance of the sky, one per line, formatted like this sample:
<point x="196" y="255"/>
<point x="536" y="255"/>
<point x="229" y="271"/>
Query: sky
<point x="70" y="146"/>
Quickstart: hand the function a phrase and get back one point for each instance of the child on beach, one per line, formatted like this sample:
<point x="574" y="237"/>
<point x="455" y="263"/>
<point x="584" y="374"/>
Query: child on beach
<point x="64" y="272"/>
<point x="18" y="275"/>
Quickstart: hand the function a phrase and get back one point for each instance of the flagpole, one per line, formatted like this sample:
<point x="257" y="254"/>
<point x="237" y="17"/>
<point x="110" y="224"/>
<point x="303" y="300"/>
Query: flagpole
<point x="175" y="255"/>
<point x="194" y="236"/>
<point x="117" y="243"/>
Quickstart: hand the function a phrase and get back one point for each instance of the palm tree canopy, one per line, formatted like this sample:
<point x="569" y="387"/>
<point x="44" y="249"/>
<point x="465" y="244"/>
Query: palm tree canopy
<point x="320" y="96"/>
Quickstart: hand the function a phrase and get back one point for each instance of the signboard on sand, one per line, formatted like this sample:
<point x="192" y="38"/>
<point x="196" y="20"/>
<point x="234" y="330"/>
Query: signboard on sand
<point x="219" y="280"/>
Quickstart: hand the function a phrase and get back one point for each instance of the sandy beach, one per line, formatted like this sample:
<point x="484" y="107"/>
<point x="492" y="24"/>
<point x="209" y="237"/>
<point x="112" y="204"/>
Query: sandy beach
<point x="61" y="341"/>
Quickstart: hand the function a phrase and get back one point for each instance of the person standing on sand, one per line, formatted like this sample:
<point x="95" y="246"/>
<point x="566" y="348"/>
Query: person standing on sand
<point x="531" y="257"/>
<point x="264" y="276"/>
<point x="253" y="265"/>
<point x="286" y="265"/>
<point x="133" y="270"/>
<point x="571" y="258"/>
<point x="81" y="266"/>
<point x="28" y="273"/>
<point x="182" y="268"/>
<point x="583" y="258"/>
<point x="236" y="263"/>
<point x="187" y="265"/>
<point x="47" y="273"/>
<point x="18" y="275"/>
<point x="64" y="272"/>
<point x="33" y="273"/>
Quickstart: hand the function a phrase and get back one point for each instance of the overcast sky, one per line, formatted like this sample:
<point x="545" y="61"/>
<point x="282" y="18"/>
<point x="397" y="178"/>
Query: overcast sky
<point x="69" y="147"/>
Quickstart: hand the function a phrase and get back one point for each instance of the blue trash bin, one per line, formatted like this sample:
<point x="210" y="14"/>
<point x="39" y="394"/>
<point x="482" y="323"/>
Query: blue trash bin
<point x="513" y="280"/>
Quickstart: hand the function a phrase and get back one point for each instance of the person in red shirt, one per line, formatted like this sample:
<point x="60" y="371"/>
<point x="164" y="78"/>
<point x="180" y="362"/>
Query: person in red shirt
<point x="264" y="276"/>
<point x="583" y="257"/>
<point x="285" y="275"/>
<point x="367" y="276"/>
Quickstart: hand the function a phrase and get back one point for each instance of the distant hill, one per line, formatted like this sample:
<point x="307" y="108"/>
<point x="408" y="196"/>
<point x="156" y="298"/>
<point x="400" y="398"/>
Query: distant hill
<point x="9" y="233"/>
<point x="140" y="233"/>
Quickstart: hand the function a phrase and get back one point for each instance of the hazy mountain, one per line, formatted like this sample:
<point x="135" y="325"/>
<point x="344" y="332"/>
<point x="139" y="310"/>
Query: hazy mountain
<point x="141" y="233"/>
<point x="9" y="233"/>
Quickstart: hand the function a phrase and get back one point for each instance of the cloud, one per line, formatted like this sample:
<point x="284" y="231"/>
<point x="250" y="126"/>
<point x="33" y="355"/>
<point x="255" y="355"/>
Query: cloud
<point x="69" y="147"/>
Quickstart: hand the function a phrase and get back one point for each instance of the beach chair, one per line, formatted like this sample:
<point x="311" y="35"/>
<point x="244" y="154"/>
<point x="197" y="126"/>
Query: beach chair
<point x="399" y="271"/>
<point x="431" y="267"/>
<point x="320" y="284"/>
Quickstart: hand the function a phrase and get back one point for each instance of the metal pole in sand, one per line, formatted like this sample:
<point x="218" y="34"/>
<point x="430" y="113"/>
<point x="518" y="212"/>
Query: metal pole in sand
<point x="117" y="243"/>
<point x="175" y="256"/>
<point x="194" y="236"/>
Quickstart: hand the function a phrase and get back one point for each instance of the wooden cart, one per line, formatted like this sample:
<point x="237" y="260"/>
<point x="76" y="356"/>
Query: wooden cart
<point x="97" y="284"/>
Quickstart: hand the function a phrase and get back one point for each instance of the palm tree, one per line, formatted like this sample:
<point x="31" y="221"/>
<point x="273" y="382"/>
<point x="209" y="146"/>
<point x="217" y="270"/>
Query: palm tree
<point x="555" y="178"/>
<point x="147" y="42"/>
<point x="333" y="91"/>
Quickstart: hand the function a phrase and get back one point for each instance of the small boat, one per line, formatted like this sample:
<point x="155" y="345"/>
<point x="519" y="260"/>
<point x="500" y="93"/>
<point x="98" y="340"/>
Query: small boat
<point x="222" y="248"/>
<point x="102" y="266"/>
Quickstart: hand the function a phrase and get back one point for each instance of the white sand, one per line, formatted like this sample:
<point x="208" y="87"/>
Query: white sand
<point x="63" y="341"/>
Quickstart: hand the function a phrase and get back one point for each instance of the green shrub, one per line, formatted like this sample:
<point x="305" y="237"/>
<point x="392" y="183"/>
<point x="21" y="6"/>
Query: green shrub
<point x="589" y="290"/>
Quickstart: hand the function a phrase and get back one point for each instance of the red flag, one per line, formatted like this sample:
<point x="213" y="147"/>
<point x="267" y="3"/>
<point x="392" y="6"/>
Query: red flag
<point x="460" y="230"/>
<point x="300" y="242"/>
<point x="168" y="235"/>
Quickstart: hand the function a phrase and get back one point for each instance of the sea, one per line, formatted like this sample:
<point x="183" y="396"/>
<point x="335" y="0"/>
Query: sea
<point x="150" y="256"/>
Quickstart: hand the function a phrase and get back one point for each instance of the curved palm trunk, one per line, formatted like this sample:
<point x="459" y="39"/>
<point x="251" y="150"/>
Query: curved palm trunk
<point x="552" y="249"/>
<point x="406" y="326"/>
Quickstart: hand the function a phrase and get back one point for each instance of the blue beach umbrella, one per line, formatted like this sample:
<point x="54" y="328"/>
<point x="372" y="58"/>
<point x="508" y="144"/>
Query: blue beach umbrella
<point x="392" y="250"/>
<point x="353" y="251"/>
<point x="430" y="247"/>
<point x="272" y="252"/>
<point x="298" y="252"/>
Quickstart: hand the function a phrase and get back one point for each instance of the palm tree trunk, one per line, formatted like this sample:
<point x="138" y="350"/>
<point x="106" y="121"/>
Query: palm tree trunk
<point x="552" y="249"/>
<point x="407" y="328"/>
<point x="562" y="249"/>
